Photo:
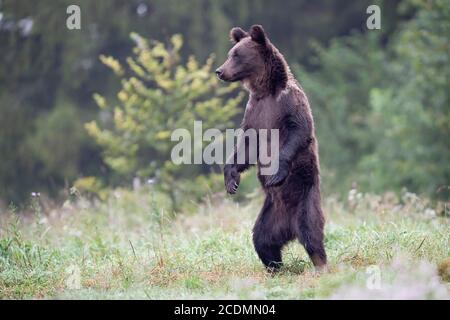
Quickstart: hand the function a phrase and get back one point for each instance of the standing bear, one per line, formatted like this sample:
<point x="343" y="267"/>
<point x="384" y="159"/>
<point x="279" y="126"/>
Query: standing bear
<point x="276" y="101"/>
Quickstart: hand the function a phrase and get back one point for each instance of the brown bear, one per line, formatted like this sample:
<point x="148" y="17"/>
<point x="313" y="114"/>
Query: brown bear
<point x="276" y="101"/>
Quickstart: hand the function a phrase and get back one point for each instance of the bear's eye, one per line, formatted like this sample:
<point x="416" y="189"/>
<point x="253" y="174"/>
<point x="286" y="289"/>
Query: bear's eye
<point x="235" y="54"/>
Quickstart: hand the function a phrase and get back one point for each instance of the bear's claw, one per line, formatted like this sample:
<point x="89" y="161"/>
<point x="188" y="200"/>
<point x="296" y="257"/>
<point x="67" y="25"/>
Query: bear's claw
<point x="232" y="180"/>
<point x="279" y="177"/>
<point x="276" y="179"/>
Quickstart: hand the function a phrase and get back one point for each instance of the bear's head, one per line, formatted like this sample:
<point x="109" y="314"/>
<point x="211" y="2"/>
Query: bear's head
<point x="253" y="59"/>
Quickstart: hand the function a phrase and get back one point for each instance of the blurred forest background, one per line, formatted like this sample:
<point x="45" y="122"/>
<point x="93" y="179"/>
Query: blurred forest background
<point x="380" y="97"/>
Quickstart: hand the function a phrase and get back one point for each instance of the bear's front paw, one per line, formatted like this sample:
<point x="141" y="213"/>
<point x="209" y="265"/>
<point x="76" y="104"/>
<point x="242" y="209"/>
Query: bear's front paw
<point x="278" y="178"/>
<point x="232" y="179"/>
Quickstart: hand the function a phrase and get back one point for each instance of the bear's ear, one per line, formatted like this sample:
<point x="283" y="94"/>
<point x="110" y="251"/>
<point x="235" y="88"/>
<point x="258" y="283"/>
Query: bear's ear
<point x="258" y="35"/>
<point x="236" y="34"/>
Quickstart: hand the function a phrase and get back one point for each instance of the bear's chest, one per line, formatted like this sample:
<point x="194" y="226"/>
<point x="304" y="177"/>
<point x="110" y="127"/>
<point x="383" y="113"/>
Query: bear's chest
<point x="261" y="114"/>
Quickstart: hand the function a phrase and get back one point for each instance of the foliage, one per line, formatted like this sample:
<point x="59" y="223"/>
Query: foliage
<point x="339" y="98"/>
<point x="49" y="73"/>
<point x="382" y="107"/>
<point x="45" y="67"/>
<point x="158" y="95"/>
<point x="412" y="115"/>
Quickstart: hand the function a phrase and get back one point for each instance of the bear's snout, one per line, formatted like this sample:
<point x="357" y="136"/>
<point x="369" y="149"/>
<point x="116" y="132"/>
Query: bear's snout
<point x="219" y="73"/>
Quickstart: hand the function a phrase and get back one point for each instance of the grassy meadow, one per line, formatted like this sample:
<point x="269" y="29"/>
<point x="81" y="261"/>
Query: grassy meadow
<point x="129" y="247"/>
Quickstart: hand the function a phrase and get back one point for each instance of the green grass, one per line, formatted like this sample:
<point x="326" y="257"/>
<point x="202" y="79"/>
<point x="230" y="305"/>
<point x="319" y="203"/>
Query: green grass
<point x="128" y="247"/>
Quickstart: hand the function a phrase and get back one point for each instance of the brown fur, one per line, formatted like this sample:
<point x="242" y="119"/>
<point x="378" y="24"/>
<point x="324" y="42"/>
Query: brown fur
<point x="292" y="206"/>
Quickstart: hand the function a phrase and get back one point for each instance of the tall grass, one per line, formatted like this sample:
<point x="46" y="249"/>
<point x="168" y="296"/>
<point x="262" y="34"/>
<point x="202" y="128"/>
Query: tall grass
<point x="131" y="247"/>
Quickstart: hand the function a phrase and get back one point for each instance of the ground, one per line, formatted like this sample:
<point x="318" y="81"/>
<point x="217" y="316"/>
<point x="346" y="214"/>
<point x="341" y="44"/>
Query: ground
<point x="127" y="247"/>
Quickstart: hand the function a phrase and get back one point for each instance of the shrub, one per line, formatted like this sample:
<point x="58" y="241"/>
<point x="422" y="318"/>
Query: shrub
<point x="159" y="94"/>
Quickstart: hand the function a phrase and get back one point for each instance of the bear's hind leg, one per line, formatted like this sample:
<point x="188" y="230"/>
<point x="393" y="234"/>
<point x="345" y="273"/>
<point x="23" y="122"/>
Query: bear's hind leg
<point x="270" y="235"/>
<point x="310" y="228"/>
